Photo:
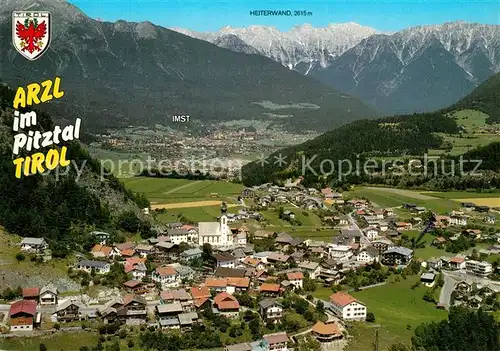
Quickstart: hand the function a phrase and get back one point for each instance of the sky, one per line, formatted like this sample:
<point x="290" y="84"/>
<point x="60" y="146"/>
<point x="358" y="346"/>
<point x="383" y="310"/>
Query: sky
<point x="206" y="15"/>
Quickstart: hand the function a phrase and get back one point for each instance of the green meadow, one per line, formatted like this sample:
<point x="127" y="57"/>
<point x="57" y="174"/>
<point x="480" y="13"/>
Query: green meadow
<point x="164" y="190"/>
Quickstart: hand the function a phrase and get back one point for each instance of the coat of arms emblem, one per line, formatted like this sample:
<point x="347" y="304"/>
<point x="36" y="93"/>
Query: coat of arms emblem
<point x="31" y="33"/>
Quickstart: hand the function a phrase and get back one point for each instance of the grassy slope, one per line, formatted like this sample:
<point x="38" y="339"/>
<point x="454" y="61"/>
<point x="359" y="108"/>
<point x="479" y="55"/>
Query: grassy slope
<point x="395" y="306"/>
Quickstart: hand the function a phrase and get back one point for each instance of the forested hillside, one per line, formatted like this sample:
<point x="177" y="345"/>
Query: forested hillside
<point x="385" y="138"/>
<point x="61" y="210"/>
<point x="485" y="98"/>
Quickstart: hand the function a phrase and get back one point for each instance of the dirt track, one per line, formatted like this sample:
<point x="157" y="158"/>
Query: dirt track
<point x="190" y="204"/>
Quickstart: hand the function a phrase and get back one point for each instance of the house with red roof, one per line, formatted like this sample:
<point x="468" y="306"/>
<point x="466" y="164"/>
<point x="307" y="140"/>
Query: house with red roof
<point x="227" y="304"/>
<point x="347" y="307"/>
<point x="23" y="315"/>
<point x="270" y="289"/>
<point x="457" y="262"/>
<point x="296" y="279"/>
<point x="32" y="294"/>
<point x="167" y="276"/>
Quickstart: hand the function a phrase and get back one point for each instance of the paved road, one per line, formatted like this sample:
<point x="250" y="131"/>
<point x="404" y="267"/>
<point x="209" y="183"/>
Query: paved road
<point x="354" y="226"/>
<point x="451" y="278"/>
<point x="447" y="289"/>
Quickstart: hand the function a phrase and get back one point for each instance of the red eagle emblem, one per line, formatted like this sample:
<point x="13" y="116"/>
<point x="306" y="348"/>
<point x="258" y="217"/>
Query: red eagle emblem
<point x="31" y="33"/>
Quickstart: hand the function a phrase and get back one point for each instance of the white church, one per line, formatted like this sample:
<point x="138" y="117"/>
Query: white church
<point x="217" y="234"/>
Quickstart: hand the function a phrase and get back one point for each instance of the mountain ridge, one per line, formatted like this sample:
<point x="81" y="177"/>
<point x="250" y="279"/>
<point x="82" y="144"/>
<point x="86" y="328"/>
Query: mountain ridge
<point x="472" y="51"/>
<point x="150" y="73"/>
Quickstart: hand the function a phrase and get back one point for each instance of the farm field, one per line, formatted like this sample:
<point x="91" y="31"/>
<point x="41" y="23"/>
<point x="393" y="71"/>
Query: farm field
<point x="472" y="120"/>
<point x="167" y="191"/>
<point x="395" y="306"/>
<point x="194" y="214"/>
<point x="483" y="201"/>
<point x="454" y="195"/>
<point x="392" y="197"/>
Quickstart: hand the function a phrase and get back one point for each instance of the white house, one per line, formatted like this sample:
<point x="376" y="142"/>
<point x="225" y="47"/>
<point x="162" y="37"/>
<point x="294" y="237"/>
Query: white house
<point x="339" y="252"/>
<point x="167" y="276"/>
<point x="458" y="220"/>
<point x="48" y="295"/>
<point x="369" y="254"/>
<point x="217" y="234"/>
<point x="99" y="267"/>
<point x="347" y="307"/>
<point x="371" y="233"/>
<point x="33" y="244"/>
<point x="271" y="310"/>
<point x="225" y="260"/>
<point x="313" y="268"/>
<point x="296" y="279"/>
<point x="240" y="239"/>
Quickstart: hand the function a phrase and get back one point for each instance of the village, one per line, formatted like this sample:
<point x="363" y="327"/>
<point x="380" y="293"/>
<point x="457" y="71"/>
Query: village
<point x="222" y="272"/>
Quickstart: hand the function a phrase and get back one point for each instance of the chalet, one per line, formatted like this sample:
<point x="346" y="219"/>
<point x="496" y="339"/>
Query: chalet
<point x="88" y="266"/>
<point x="191" y="254"/>
<point x="473" y="233"/>
<point x="247" y="193"/>
<point x="326" y="332"/>
<point x="48" y="295"/>
<point x="340" y="252"/>
<point x="312" y="268"/>
<point x="409" y="206"/>
<point x="168" y="311"/>
<point x="368" y="254"/>
<point x="228" y="284"/>
<point x="296" y="279"/>
<point x="187" y="319"/>
<point x="397" y="255"/>
<point x="103" y="251"/>
<point x="287" y="214"/>
<point x="226" y="272"/>
<point x="428" y="279"/>
<point x="276" y="258"/>
<point x="102" y="237"/>
<point x="456" y="263"/>
<point x="34" y="245"/>
<point x="383" y="226"/>
<point x="225" y="260"/>
<point x="133" y="311"/>
<point x="347" y="307"/>
<point x="388" y="212"/>
<point x="201" y="296"/>
<point x="419" y="209"/>
<point x="403" y="226"/>
<point x="143" y="250"/>
<point x="468" y="205"/>
<point x="481" y="209"/>
<point x="227" y="304"/>
<point x="23" y="315"/>
<point x="32" y="294"/>
<point x="136" y="269"/>
<point x="69" y="311"/>
<point x="271" y="310"/>
<point x="490" y="219"/>
<point x="350" y="236"/>
<point x="134" y="286"/>
<point x="458" y="220"/>
<point x="178" y="296"/>
<point x="439" y="240"/>
<point x="383" y="244"/>
<point x="371" y="233"/>
<point x="277" y="341"/>
<point x="270" y="289"/>
<point x="167" y="276"/>
<point x="253" y="263"/>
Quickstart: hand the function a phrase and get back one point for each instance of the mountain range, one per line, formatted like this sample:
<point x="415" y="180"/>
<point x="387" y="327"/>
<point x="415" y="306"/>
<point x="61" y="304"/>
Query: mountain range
<point x="122" y="73"/>
<point x="402" y="136"/>
<point x="414" y="70"/>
